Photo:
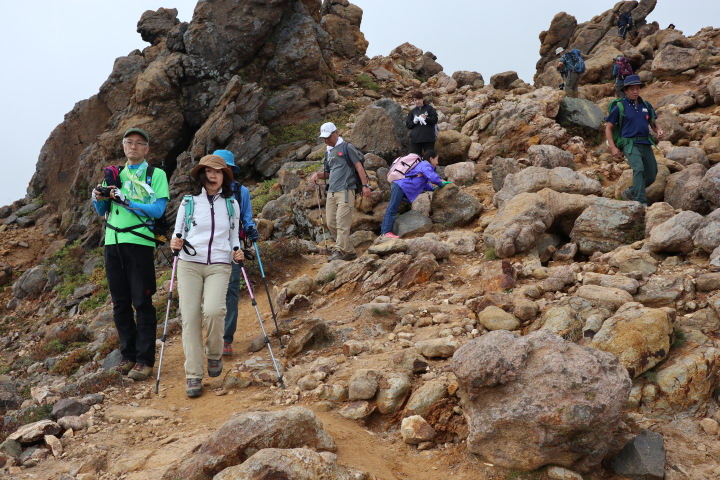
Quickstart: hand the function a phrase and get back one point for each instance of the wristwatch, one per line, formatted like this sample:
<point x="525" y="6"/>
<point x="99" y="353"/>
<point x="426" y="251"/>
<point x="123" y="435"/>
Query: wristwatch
<point x="367" y="185"/>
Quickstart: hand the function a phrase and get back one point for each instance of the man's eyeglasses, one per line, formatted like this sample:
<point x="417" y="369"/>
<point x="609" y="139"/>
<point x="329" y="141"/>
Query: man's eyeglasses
<point x="130" y="143"/>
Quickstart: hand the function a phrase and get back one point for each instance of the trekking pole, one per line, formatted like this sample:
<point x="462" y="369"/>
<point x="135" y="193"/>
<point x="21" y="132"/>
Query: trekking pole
<point x="167" y="315"/>
<point x="322" y="217"/>
<point x="267" y="290"/>
<point x="262" y="327"/>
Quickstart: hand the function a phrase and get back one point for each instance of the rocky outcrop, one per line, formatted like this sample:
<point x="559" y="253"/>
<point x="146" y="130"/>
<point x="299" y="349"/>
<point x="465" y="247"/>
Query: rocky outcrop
<point x="607" y="224"/>
<point x="247" y="433"/>
<point x="534" y="179"/>
<point x="511" y="386"/>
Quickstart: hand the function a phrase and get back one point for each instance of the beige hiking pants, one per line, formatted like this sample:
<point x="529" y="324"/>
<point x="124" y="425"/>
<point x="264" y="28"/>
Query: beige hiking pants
<point x="202" y="290"/>
<point x="339" y="208"/>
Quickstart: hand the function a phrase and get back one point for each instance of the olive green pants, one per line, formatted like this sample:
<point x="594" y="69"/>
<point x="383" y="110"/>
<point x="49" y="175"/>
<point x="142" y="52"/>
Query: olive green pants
<point x="644" y="166"/>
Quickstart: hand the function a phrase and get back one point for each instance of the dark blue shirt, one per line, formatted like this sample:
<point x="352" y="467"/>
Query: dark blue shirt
<point x="635" y="121"/>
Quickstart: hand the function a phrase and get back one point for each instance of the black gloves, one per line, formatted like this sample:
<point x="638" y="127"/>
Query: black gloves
<point x="252" y="234"/>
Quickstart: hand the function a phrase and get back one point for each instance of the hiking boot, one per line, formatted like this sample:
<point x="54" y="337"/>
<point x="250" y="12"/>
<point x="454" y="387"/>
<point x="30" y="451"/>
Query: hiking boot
<point x="215" y="367"/>
<point x="140" y="371"/>
<point x="349" y="256"/>
<point x="193" y="387"/>
<point x="627" y="195"/>
<point x="227" y="349"/>
<point x="335" y="255"/>
<point x="123" y="367"/>
<point x="390" y="235"/>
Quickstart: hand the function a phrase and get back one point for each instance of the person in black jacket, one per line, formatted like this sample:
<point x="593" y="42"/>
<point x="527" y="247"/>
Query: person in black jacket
<point x="421" y="121"/>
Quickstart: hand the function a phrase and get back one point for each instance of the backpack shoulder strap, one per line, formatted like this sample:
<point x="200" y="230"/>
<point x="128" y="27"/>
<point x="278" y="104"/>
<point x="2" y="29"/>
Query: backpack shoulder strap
<point x="621" y="112"/>
<point x="231" y="216"/>
<point x="189" y="209"/>
<point x="149" y="174"/>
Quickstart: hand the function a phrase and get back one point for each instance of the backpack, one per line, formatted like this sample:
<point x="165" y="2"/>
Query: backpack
<point x="626" y="19"/>
<point x="358" y="180"/>
<point x="190" y="210"/>
<point x="401" y="166"/>
<point x="617" y="128"/>
<point x="623" y="67"/>
<point x="158" y="226"/>
<point x="578" y="65"/>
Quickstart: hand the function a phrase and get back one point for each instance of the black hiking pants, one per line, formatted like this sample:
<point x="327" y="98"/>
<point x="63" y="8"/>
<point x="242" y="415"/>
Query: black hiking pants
<point x="130" y="271"/>
<point x="421" y="148"/>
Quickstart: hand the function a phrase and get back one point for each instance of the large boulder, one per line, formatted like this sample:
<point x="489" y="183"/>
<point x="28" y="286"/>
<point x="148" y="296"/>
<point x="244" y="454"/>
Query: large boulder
<point x="683" y="189"/>
<point x="535" y="400"/>
<point x="580" y="116"/>
<point x="688" y="156"/>
<point x="413" y="59"/>
<point x="295" y="463"/>
<point x="246" y="433"/>
<point x="155" y="25"/>
<point x="342" y="22"/>
<point x="707" y="238"/>
<point x="639" y="336"/>
<point x="464" y="77"/>
<point x="452" y="147"/>
<point x="452" y="207"/>
<point x="672" y="60"/>
<point x="607" y="224"/>
<point x="385" y="116"/>
<point x="710" y="186"/>
<point x="501" y="168"/>
<point x="550" y="156"/>
<point x="534" y="179"/>
<point x="521" y="222"/>
<point x="676" y="234"/>
<point x="503" y="80"/>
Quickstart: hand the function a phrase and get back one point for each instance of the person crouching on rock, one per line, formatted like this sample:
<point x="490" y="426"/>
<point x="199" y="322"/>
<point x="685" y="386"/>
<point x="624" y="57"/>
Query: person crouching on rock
<point x="208" y="222"/>
<point x="420" y="178"/>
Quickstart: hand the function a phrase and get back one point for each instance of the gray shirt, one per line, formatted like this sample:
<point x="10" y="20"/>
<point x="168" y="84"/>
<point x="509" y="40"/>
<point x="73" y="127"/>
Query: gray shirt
<point x="342" y="176"/>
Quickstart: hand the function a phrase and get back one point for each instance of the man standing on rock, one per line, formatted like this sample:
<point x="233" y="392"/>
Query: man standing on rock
<point x="131" y="198"/>
<point x="634" y="117"/>
<point x="568" y="66"/>
<point x="342" y="161"/>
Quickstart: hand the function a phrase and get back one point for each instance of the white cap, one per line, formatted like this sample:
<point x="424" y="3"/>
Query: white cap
<point x="559" y="50"/>
<point x="327" y="129"/>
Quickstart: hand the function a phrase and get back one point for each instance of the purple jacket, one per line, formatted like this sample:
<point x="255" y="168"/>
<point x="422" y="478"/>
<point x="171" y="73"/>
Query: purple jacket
<point x="419" y="179"/>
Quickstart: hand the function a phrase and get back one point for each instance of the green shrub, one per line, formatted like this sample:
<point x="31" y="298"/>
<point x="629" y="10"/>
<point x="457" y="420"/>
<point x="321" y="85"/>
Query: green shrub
<point x="72" y="362"/>
<point x="66" y="339"/>
<point x="365" y="81"/>
<point x="265" y="192"/>
<point x="490" y="254"/>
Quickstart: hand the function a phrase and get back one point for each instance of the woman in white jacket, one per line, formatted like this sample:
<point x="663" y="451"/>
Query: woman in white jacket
<point x="208" y="222"/>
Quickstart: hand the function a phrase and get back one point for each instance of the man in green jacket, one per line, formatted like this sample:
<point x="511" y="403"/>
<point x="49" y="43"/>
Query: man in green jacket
<point x="131" y="198"/>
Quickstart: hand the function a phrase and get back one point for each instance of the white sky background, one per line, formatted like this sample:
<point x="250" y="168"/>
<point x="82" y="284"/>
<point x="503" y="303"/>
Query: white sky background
<point x="57" y="53"/>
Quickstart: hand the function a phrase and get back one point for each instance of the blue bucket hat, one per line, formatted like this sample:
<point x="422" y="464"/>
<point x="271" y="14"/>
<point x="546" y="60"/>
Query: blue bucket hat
<point x="632" y="80"/>
<point x="229" y="158"/>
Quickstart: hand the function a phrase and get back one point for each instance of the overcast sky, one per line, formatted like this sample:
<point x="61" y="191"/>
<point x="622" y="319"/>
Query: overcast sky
<point x="60" y="52"/>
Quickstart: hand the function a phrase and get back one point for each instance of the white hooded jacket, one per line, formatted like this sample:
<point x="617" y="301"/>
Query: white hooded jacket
<point x="212" y="233"/>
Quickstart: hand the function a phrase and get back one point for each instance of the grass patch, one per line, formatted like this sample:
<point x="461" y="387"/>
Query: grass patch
<point x="365" y="81"/>
<point x="636" y="233"/>
<point x="95" y="383"/>
<point x="651" y="376"/>
<point x="265" y="192"/>
<point x="680" y="339"/>
<point x="490" y="254"/>
<point x="327" y="278"/>
<point x="380" y="312"/>
<point x="72" y="362"/>
<point x="66" y="339"/>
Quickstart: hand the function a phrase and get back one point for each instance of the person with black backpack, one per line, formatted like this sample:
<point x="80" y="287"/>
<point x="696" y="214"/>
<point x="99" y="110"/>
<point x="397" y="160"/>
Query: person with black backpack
<point x="131" y="197"/>
<point x="345" y="174"/>
<point x="624" y="22"/>
<point x="628" y="133"/>
<point x="621" y="70"/>
<point x="247" y="230"/>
